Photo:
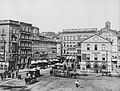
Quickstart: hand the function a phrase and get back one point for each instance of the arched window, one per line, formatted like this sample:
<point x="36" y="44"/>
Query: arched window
<point x="96" y="66"/>
<point x="88" y="66"/>
<point x="104" y="67"/>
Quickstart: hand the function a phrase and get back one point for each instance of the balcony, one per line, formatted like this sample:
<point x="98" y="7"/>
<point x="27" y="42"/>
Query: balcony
<point x="28" y="33"/>
<point x="22" y="47"/>
<point x="28" y="48"/>
<point x="25" y="40"/>
<point x="22" y="31"/>
<point x="25" y="47"/>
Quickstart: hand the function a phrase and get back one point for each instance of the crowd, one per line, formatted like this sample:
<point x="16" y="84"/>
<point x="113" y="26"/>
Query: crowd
<point x="9" y="74"/>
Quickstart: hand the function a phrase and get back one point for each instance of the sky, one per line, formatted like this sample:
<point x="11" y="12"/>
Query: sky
<point x="55" y="15"/>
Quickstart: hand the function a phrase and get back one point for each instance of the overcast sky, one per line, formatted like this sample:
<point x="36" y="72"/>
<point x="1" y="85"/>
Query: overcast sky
<point x="55" y="15"/>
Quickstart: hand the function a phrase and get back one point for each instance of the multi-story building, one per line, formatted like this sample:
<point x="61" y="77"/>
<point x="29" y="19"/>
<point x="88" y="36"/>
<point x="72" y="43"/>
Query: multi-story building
<point x="43" y="46"/>
<point x="25" y="45"/>
<point x="71" y="42"/>
<point x="22" y="40"/>
<point x="37" y="45"/>
<point x="96" y="54"/>
<point x="18" y="43"/>
<point x="10" y="28"/>
<point x="111" y="35"/>
<point x="118" y="44"/>
<point x="58" y="39"/>
<point x="52" y="49"/>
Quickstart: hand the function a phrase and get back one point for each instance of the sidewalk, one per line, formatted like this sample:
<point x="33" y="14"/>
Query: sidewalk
<point x="13" y="83"/>
<point x="20" y="83"/>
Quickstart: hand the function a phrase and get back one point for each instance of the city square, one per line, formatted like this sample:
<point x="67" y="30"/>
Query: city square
<point x="93" y="82"/>
<point x="59" y="45"/>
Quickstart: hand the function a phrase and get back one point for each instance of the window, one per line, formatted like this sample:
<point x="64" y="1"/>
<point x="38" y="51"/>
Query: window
<point x="95" y="46"/>
<point x="79" y="44"/>
<point x="67" y="52"/>
<point x="70" y="37"/>
<point x="67" y="37"/>
<point x="103" y="47"/>
<point x="88" y="56"/>
<point x="64" y="51"/>
<point x="83" y="68"/>
<point x="103" y="56"/>
<point x="95" y="57"/>
<point x="79" y="37"/>
<point x="64" y="37"/>
<point x="64" y="44"/>
<point x="88" y="46"/>
<point x="83" y="56"/>
<point x="73" y="37"/>
<point x="3" y="30"/>
<point x="79" y="51"/>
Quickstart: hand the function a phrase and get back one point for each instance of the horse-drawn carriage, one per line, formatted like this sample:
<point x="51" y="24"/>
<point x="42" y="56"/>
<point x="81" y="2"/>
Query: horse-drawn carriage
<point x="63" y="71"/>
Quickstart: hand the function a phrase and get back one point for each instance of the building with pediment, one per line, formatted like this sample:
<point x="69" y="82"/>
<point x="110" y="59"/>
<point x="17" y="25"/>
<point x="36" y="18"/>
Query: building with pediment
<point x="96" y="54"/>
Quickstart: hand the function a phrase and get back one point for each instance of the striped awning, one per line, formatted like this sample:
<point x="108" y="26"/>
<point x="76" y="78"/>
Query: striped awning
<point x="45" y="61"/>
<point x="33" y="62"/>
<point x="74" y="57"/>
<point x="67" y="57"/>
<point x="70" y="57"/>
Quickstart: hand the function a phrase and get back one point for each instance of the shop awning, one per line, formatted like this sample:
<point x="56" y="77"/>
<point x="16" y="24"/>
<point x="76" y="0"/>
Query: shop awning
<point x="70" y="57"/>
<point x="67" y="57"/>
<point x="51" y="60"/>
<point x="45" y="61"/>
<point x="33" y="62"/>
<point x="55" y="60"/>
<point x="1" y="53"/>
<point x="74" y="57"/>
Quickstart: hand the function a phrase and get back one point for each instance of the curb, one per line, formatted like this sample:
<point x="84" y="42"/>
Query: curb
<point x="12" y="86"/>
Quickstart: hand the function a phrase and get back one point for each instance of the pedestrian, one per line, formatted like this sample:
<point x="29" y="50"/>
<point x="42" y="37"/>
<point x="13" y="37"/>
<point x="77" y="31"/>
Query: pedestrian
<point x="26" y="78"/>
<point x="2" y="76"/>
<point x="12" y="74"/>
<point x="16" y="74"/>
<point x="51" y="72"/>
<point x="77" y="83"/>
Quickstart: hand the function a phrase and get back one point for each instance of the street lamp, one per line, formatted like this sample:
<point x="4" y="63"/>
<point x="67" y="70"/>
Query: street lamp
<point x="3" y="36"/>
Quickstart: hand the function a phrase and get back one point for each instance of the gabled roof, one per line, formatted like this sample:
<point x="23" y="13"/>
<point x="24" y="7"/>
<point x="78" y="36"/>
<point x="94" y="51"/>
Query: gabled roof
<point x="96" y="35"/>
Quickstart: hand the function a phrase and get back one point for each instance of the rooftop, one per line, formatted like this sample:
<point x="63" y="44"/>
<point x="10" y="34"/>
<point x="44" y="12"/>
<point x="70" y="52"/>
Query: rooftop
<point x="80" y="30"/>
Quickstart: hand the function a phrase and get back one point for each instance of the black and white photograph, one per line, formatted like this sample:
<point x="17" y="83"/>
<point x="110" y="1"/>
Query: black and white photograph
<point x="59" y="45"/>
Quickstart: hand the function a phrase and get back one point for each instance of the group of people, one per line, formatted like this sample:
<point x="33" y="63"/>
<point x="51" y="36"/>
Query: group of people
<point x="9" y="74"/>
